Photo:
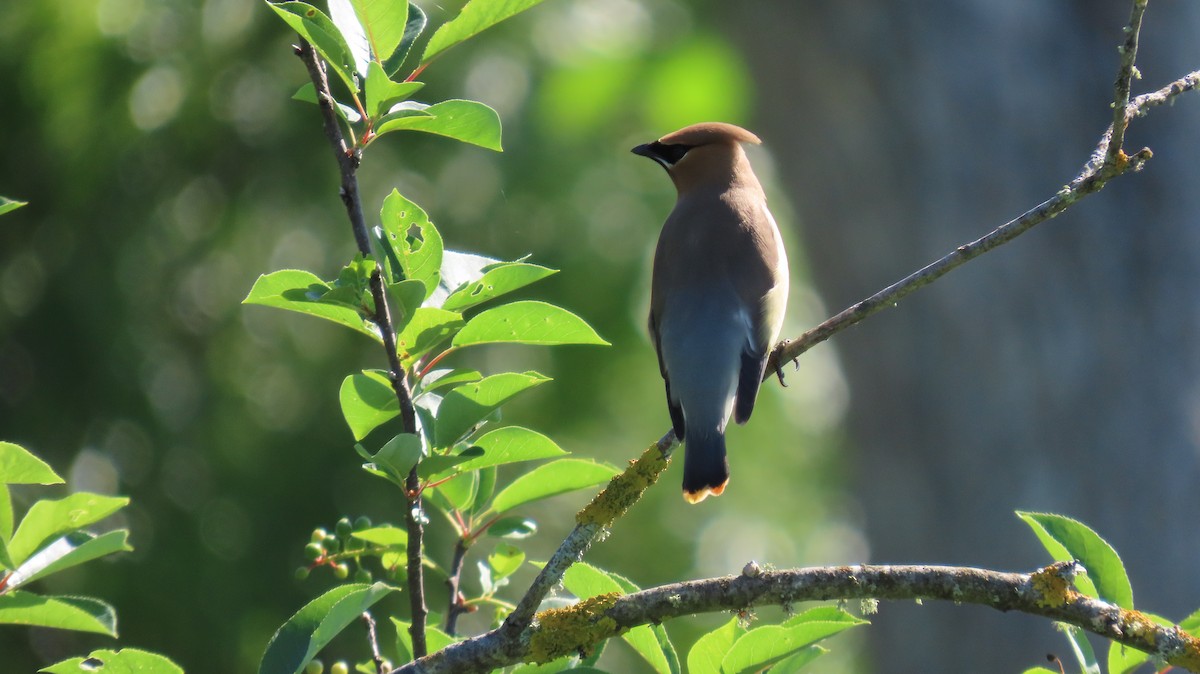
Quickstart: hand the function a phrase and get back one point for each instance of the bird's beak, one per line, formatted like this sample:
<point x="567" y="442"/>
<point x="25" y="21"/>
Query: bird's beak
<point x="645" y="150"/>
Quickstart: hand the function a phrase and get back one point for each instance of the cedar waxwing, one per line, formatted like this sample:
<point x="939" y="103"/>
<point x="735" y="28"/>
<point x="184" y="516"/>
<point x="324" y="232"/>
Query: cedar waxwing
<point x="718" y="294"/>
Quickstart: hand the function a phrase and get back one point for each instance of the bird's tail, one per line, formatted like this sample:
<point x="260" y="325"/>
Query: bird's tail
<point x="705" y="470"/>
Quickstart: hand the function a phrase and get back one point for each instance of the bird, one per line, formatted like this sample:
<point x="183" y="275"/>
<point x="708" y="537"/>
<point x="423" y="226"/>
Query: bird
<point x="718" y="293"/>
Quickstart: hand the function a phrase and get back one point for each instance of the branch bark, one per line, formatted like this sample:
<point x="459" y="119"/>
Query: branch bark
<point x="348" y="160"/>
<point x="1046" y="592"/>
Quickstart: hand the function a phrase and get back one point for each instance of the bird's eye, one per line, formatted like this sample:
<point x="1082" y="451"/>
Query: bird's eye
<point x="673" y="153"/>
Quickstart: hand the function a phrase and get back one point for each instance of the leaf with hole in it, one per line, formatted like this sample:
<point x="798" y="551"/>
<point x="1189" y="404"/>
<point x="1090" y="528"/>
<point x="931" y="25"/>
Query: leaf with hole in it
<point x="7" y="205"/>
<point x="382" y="93"/>
<point x="47" y="520"/>
<point x="308" y="631"/>
<point x="123" y="661"/>
<point x="467" y="405"/>
<point x="367" y="401"/>
<point x="459" y="269"/>
<point x="413" y="242"/>
<point x="511" y="444"/>
<point x="466" y="121"/>
<point x="319" y="30"/>
<point x="1068" y="540"/>
<point x="19" y="466"/>
<point x="81" y="614"/>
<point x="300" y="291"/>
<point x="552" y="479"/>
<point x="500" y="280"/>
<point x="426" y="330"/>
<point x="709" y="650"/>
<point x="766" y="645"/>
<point x="527" y="322"/>
<point x="474" y="18"/>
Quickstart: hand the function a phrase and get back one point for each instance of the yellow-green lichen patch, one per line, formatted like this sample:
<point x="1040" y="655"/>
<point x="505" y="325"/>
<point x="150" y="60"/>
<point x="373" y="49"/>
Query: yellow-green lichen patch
<point x="575" y="629"/>
<point x="1053" y="588"/>
<point x="625" y="489"/>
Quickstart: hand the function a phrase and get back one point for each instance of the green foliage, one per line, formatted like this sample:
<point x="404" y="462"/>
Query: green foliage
<point x="312" y="627"/>
<point x="787" y="647"/>
<point x="475" y="17"/>
<point x="1067" y="539"/>
<point x="123" y="661"/>
<point x="7" y="205"/>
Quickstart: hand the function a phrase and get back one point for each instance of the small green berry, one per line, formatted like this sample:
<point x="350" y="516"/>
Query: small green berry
<point x="302" y="572"/>
<point x="362" y="522"/>
<point x="340" y="667"/>
<point x="341" y="572"/>
<point x="314" y="666"/>
<point x="343" y="527"/>
<point x="318" y="535"/>
<point x="313" y="552"/>
<point x="362" y="575"/>
<point x="331" y="544"/>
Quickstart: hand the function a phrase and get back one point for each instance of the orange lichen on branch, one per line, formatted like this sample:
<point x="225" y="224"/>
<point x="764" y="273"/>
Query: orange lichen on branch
<point x="625" y="489"/>
<point x="574" y="629"/>
<point x="1053" y="586"/>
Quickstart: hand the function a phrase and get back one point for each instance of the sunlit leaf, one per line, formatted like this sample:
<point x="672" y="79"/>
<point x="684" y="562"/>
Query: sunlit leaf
<point x="498" y="281"/>
<point x="459" y="491"/>
<point x="19" y="466"/>
<point x="300" y="291"/>
<point x="398" y="456"/>
<point x="440" y="463"/>
<point x="586" y="581"/>
<point x="798" y="660"/>
<point x="307" y="93"/>
<point x="474" y="18"/>
<point x="412" y="30"/>
<point x="413" y="241"/>
<point x="1067" y="539"/>
<point x="435" y="639"/>
<point x="766" y="645"/>
<point x="468" y="404"/>
<point x="7" y="205"/>
<point x="384" y="23"/>
<point x="319" y="30"/>
<point x="709" y="650"/>
<point x="467" y="121"/>
<point x="527" y="322"/>
<point x="510" y="445"/>
<point x="1082" y="649"/>
<point x="68" y="551"/>
<point x="308" y="631"/>
<point x="440" y="379"/>
<point x="124" y="661"/>
<point x="382" y="93"/>
<point x="505" y="559"/>
<point x="425" y="331"/>
<point x="552" y="479"/>
<point x="387" y="536"/>
<point x="367" y="400"/>
<point x="80" y="614"/>
<point x="47" y="520"/>
<point x="513" y="527"/>
<point x="459" y="269"/>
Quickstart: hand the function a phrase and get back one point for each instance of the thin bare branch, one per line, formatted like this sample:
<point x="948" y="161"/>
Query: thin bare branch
<point x="348" y="160"/>
<point x="373" y="642"/>
<point x="1124" y="82"/>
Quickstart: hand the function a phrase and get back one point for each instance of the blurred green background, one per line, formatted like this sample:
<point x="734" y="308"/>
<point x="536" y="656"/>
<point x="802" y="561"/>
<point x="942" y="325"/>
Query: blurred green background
<point x="166" y="168"/>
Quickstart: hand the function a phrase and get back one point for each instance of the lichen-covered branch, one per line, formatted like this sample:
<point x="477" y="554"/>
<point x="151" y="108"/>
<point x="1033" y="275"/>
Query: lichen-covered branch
<point x="1046" y="592"/>
<point x="348" y="160"/>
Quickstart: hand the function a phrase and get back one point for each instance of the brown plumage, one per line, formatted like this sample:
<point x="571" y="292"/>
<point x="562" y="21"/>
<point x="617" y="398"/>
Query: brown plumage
<point x="718" y="295"/>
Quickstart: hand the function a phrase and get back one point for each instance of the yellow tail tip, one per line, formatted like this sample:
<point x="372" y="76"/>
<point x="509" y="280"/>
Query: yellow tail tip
<point x="694" y="497"/>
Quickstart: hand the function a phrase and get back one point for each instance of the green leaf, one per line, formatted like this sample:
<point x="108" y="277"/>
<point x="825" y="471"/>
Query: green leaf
<point x="48" y="519"/>
<point x="459" y="491"/>
<point x="368" y="401"/>
<point x="441" y="463"/>
<point x="515" y="528"/>
<point x="315" y="625"/>
<point x="467" y="121"/>
<point x="527" y="322"/>
<point x="70" y="550"/>
<point x="1040" y="670"/>
<point x="798" y="660"/>
<point x="1082" y="649"/>
<point x="313" y="25"/>
<point x="1124" y="659"/>
<point x="499" y="280"/>
<point x="398" y="456"/>
<point x="1067" y="539"/>
<point x="412" y="241"/>
<point x="766" y="645"/>
<point x="382" y="93"/>
<point x="19" y="466"/>
<point x="301" y="291"/>
<point x="435" y="639"/>
<point x="505" y="559"/>
<point x="387" y="537"/>
<point x="512" y="444"/>
<point x="586" y="581"/>
<point x="474" y="18"/>
<point x="412" y="30"/>
<point x="6" y="524"/>
<point x="383" y="22"/>
<point x="7" y="205"/>
<point x="124" y="661"/>
<point x="81" y="614"/>
<point x="307" y="93"/>
<point x="709" y="650"/>
<point x="486" y="489"/>
<point x="468" y="404"/>
<point x="552" y="479"/>
<point x="439" y="379"/>
<point x="425" y="331"/>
